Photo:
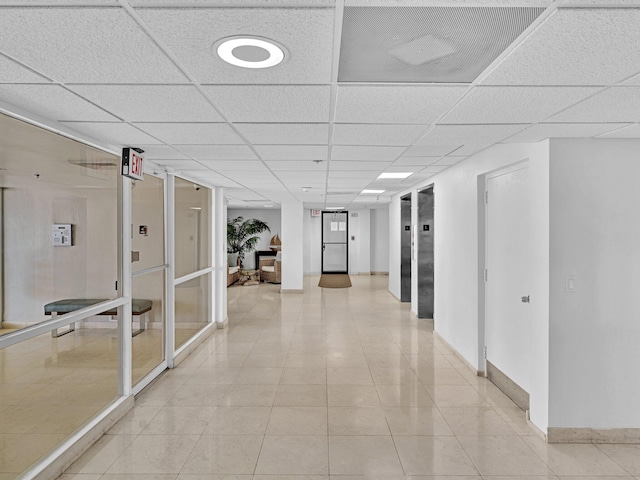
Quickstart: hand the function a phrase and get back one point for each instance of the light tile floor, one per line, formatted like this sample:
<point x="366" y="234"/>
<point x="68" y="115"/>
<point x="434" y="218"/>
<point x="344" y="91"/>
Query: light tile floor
<point x="332" y="383"/>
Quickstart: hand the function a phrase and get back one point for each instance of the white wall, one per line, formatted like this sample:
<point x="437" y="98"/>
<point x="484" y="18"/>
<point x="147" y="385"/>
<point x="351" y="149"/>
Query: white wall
<point x="269" y="215"/>
<point x="312" y="243"/>
<point x="292" y="246"/>
<point x="595" y="238"/>
<point x="36" y="272"/>
<point x="371" y="244"/>
<point x="458" y="257"/>
<point x="380" y="240"/>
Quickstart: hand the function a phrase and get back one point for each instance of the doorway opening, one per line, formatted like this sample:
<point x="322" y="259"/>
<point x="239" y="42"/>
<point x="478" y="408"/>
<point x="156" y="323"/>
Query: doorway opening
<point x="405" y="248"/>
<point x="335" y="245"/>
<point x="425" y="253"/>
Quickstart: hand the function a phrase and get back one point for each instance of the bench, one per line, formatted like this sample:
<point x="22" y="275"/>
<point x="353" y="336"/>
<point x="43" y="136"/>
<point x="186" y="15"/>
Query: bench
<point x="139" y="307"/>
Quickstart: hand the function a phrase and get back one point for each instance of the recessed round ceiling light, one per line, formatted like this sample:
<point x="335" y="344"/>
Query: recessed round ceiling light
<point x="250" y="52"/>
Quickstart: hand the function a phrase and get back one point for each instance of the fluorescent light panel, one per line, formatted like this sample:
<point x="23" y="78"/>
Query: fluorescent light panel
<point x="371" y="191"/>
<point x="395" y="175"/>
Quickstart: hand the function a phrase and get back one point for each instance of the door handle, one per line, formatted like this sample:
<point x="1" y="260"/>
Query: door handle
<point x="525" y="299"/>
<point x="323" y="247"/>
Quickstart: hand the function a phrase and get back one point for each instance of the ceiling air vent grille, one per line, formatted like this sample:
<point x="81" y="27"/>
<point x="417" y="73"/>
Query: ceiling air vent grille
<point x="426" y="44"/>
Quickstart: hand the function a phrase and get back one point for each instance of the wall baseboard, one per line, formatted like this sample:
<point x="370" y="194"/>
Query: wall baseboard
<point x="200" y="337"/>
<point x="291" y="290"/>
<point x="510" y="388"/>
<point x="224" y="324"/>
<point x="479" y="373"/>
<point x="593" y="435"/>
<point x="380" y="273"/>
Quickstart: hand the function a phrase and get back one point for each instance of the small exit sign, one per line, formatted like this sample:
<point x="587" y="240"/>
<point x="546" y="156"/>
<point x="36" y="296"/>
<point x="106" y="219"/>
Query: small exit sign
<point x="315" y="213"/>
<point x="132" y="159"/>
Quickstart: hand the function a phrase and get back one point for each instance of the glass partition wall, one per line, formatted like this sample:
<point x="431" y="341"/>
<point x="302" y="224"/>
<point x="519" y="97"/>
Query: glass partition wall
<point x="193" y="259"/>
<point x="59" y="271"/>
<point x="102" y="281"/>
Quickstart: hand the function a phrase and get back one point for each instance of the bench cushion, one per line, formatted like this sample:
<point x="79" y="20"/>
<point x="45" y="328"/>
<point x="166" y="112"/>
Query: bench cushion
<point x="138" y="307"/>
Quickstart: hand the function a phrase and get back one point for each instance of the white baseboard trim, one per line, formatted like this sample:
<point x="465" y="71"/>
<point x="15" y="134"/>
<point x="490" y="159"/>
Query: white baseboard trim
<point x="479" y="373"/>
<point x="224" y="324"/>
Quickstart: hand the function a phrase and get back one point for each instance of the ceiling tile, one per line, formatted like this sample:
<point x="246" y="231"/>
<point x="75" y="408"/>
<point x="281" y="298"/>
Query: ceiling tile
<point x="181" y="164"/>
<point x="372" y="134"/>
<point x="541" y="131"/>
<point x="362" y="153"/>
<point x="337" y="165"/>
<point x="419" y="161"/>
<point x="306" y="33"/>
<point x="461" y="134"/>
<point x="470" y="149"/>
<point x="285" y="133"/>
<point x="618" y="104"/>
<point x="217" y="152"/>
<point x="53" y="102"/>
<point x="85" y="45"/>
<point x="395" y="104"/>
<point x="635" y="80"/>
<point x="272" y="103"/>
<point x="151" y="103"/>
<point x="448" y="161"/>
<point x="352" y="174"/>
<point x="194" y="133"/>
<point x="292" y="152"/>
<point x="115" y="133"/>
<point x="429" y="150"/>
<point x="575" y="47"/>
<point x="296" y="166"/>
<point x="248" y="166"/>
<point x="13" y="72"/>
<point x="632" y="131"/>
<point x="161" y="152"/>
<point x="515" y="104"/>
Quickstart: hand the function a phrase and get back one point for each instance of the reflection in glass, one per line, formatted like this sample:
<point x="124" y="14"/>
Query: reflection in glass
<point x="193" y="307"/>
<point x="148" y="345"/>
<point x="46" y="181"/>
<point x="192" y="230"/>
<point x="50" y="387"/>
<point x="147" y="212"/>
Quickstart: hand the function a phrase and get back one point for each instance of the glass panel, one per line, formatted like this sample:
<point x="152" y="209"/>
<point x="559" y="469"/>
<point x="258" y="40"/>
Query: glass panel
<point x="334" y="227"/>
<point x="335" y="257"/>
<point x="58" y="224"/>
<point x="193" y="307"/>
<point x="50" y="387"/>
<point x="192" y="235"/>
<point x="147" y="212"/>
<point x="148" y="345"/>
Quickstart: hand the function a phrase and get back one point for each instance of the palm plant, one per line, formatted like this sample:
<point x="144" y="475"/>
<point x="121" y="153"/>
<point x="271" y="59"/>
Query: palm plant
<point x="242" y="235"/>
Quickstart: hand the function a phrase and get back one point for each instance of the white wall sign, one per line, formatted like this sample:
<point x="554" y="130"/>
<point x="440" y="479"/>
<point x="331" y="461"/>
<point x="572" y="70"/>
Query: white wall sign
<point x="132" y="160"/>
<point x="61" y="234"/>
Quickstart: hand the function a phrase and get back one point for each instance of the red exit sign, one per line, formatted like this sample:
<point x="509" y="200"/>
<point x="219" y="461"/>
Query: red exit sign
<point x="132" y="160"/>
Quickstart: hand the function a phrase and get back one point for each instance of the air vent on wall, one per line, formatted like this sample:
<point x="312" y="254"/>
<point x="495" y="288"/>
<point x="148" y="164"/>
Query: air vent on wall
<point x="426" y="44"/>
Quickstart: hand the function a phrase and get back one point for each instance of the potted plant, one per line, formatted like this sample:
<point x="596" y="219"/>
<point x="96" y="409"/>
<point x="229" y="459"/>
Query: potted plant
<point x="243" y="235"/>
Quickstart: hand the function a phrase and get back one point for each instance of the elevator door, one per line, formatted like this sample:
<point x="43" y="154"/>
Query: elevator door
<point x="425" y="253"/>
<point x="335" y="234"/>
<point x="405" y="249"/>
<point x="508" y="263"/>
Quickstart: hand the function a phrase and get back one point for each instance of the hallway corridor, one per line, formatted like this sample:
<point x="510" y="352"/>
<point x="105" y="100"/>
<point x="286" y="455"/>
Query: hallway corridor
<point x="339" y="382"/>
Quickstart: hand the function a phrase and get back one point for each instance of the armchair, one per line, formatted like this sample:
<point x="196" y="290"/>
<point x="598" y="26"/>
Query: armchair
<point x="270" y="268"/>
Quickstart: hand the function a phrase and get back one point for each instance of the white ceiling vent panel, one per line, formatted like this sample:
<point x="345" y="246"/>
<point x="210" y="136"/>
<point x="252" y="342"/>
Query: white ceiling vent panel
<point x="426" y="44"/>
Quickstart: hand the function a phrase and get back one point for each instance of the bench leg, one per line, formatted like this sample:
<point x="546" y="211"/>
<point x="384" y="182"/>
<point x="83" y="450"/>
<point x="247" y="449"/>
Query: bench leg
<point x="143" y="325"/>
<point x="56" y="334"/>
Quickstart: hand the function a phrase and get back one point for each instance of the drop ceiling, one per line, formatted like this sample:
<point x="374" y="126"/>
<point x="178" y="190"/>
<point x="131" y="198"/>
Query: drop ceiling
<point x="320" y="127"/>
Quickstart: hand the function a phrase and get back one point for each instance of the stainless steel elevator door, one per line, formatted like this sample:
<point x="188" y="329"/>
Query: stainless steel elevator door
<point x="405" y="249"/>
<point x="335" y="236"/>
<point x="425" y="253"/>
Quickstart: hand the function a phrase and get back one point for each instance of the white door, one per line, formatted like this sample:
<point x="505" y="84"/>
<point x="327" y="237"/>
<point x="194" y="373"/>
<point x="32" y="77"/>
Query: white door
<point x="508" y="256"/>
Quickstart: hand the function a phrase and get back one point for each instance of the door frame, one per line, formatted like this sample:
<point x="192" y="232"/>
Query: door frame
<point x="483" y="254"/>
<point x="322" y="241"/>
<point x="419" y="247"/>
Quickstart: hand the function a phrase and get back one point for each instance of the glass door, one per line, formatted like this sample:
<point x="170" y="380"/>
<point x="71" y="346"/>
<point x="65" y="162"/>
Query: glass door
<point x="148" y="266"/>
<point x="335" y="235"/>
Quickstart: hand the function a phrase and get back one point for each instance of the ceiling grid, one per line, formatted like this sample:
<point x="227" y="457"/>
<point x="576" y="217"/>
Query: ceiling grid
<point x="565" y="68"/>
